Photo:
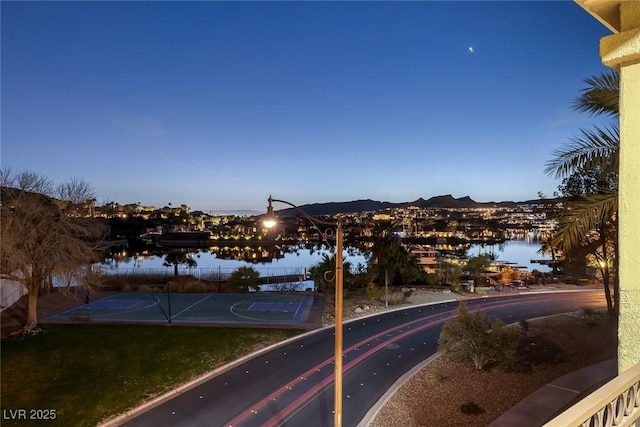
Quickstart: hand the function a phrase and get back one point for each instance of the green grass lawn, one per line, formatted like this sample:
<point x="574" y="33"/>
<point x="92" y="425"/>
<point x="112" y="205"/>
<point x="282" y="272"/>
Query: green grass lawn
<point x="89" y="372"/>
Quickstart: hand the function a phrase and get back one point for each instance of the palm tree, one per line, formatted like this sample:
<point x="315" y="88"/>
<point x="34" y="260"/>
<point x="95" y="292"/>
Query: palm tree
<point x="323" y="273"/>
<point x="548" y="247"/>
<point x="385" y="244"/>
<point x="176" y="258"/>
<point x="389" y="259"/>
<point x="590" y="220"/>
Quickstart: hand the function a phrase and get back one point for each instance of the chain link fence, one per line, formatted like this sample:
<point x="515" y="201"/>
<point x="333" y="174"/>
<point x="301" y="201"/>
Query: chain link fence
<point x="267" y="276"/>
<point x="10" y="292"/>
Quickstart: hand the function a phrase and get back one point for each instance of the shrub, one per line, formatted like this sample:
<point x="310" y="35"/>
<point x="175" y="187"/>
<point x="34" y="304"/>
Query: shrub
<point x="173" y="286"/>
<point x="439" y="376"/>
<point x="376" y="293"/>
<point x="126" y="288"/>
<point x="195" y="287"/>
<point x="589" y="316"/>
<point x="115" y="283"/>
<point x="146" y="288"/>
<point x="469" y="338"/>
<point x="432" y="279"/>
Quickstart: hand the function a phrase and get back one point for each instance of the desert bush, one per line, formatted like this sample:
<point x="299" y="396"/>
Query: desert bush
<point x="173" y="286"/>
<point x="147" y="288"/>
<point x="589" y="316"/>
<point x="114" y="282"/>
<point x="376" y="293"/>
<point x="470" y="338"/>
<point x="439" y="376"/>
<point x="195" y="287"/>
<point x="126" y="288"/>
<point x="432" y="279"/>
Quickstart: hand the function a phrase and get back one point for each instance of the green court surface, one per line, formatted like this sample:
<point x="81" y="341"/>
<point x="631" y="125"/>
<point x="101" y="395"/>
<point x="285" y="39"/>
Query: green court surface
<point x="193" y="308"/>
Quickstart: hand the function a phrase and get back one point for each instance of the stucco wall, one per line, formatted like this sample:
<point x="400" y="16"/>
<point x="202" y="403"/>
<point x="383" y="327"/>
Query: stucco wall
<point x="629" y="232"/>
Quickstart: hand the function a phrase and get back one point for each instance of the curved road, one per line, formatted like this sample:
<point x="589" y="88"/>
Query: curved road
<point x="292" y="384"/>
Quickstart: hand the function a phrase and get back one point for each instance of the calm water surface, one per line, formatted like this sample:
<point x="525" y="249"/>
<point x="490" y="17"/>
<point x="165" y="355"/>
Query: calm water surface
<point x="520" y="252"/>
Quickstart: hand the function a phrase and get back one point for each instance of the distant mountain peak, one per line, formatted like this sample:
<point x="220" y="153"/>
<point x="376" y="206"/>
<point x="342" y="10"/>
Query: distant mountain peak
<point x="368" y="205"/>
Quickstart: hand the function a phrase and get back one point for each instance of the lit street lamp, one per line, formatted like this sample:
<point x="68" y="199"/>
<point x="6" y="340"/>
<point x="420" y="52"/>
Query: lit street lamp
<point x="269" y="221"/>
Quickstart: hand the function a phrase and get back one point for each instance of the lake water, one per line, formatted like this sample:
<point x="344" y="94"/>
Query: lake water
<point x="520" y="252"/>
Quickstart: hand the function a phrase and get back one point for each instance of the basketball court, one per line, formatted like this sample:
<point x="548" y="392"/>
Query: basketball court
<point x="205" y="308"/>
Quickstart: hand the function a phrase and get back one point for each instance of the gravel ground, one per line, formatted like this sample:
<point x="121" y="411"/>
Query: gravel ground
<point x="435" y="394"/>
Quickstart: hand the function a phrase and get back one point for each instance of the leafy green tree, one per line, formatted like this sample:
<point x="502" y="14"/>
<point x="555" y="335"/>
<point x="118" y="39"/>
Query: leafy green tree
<point x="589" y="165"/>
<point x="361" y="277"/>
<point x="41" y="244"/>
<point x="471" y="338"/>
<point x="477" y="265"/>
<point x="449" y="272"/>
<point x="177" y="258"/>
<point x="243" y="279"/>
<point x="407" y="269"/>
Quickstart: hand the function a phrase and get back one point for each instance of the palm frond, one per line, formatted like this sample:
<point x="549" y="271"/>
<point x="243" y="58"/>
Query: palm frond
<point x="584" y="216"/>
<point x="601" y="96"/>
<point x="599" y="147"/>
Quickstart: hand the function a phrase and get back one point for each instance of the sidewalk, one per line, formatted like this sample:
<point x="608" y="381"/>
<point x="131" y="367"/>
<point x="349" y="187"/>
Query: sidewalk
<point x="549" y="400"/>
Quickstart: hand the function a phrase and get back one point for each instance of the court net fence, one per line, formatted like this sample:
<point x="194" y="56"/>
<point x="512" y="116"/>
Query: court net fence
<point x="149" y="276"/>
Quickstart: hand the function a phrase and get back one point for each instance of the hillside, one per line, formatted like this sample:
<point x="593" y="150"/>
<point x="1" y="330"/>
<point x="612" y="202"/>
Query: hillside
<point x="368" y="205"/>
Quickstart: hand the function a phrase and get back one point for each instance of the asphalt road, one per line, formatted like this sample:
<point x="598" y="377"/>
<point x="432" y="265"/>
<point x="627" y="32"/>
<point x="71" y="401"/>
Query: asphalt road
<point x="292" y="384"/>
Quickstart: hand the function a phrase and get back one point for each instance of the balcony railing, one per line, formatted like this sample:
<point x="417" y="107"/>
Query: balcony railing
<point x="616" y="403"/>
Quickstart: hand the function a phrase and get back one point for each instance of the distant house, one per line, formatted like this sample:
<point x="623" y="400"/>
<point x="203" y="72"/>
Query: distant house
<point x="427" y="258"/>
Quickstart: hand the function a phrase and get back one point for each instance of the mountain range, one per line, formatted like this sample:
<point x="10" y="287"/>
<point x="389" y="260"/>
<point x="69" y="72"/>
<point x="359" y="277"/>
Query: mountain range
<point x="368" y="205"/>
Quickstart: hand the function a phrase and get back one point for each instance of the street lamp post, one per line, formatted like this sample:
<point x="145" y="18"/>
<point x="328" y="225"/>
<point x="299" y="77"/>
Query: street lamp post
<point x="269" y="222"/>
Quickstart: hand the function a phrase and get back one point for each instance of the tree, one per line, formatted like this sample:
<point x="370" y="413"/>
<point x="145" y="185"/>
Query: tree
<point x="42" y="246"/>
<point x="589" y="165"/>
<point x="323" y="273"/>
<point x="551" y="209"/>
<point x="75" y="191"/>
<point x="177" y="258"/>
<point x="384" y="244"/>
<point x="471" y="338"/>
<point x="476" y="265"/>
<point x="388" y="259"/>
<point x="244" y="278"/>
<point x="449" y="272"/>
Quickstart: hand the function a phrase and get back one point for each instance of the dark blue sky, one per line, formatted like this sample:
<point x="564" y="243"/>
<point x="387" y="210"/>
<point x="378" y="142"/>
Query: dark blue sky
<point x="219" y="104"/>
